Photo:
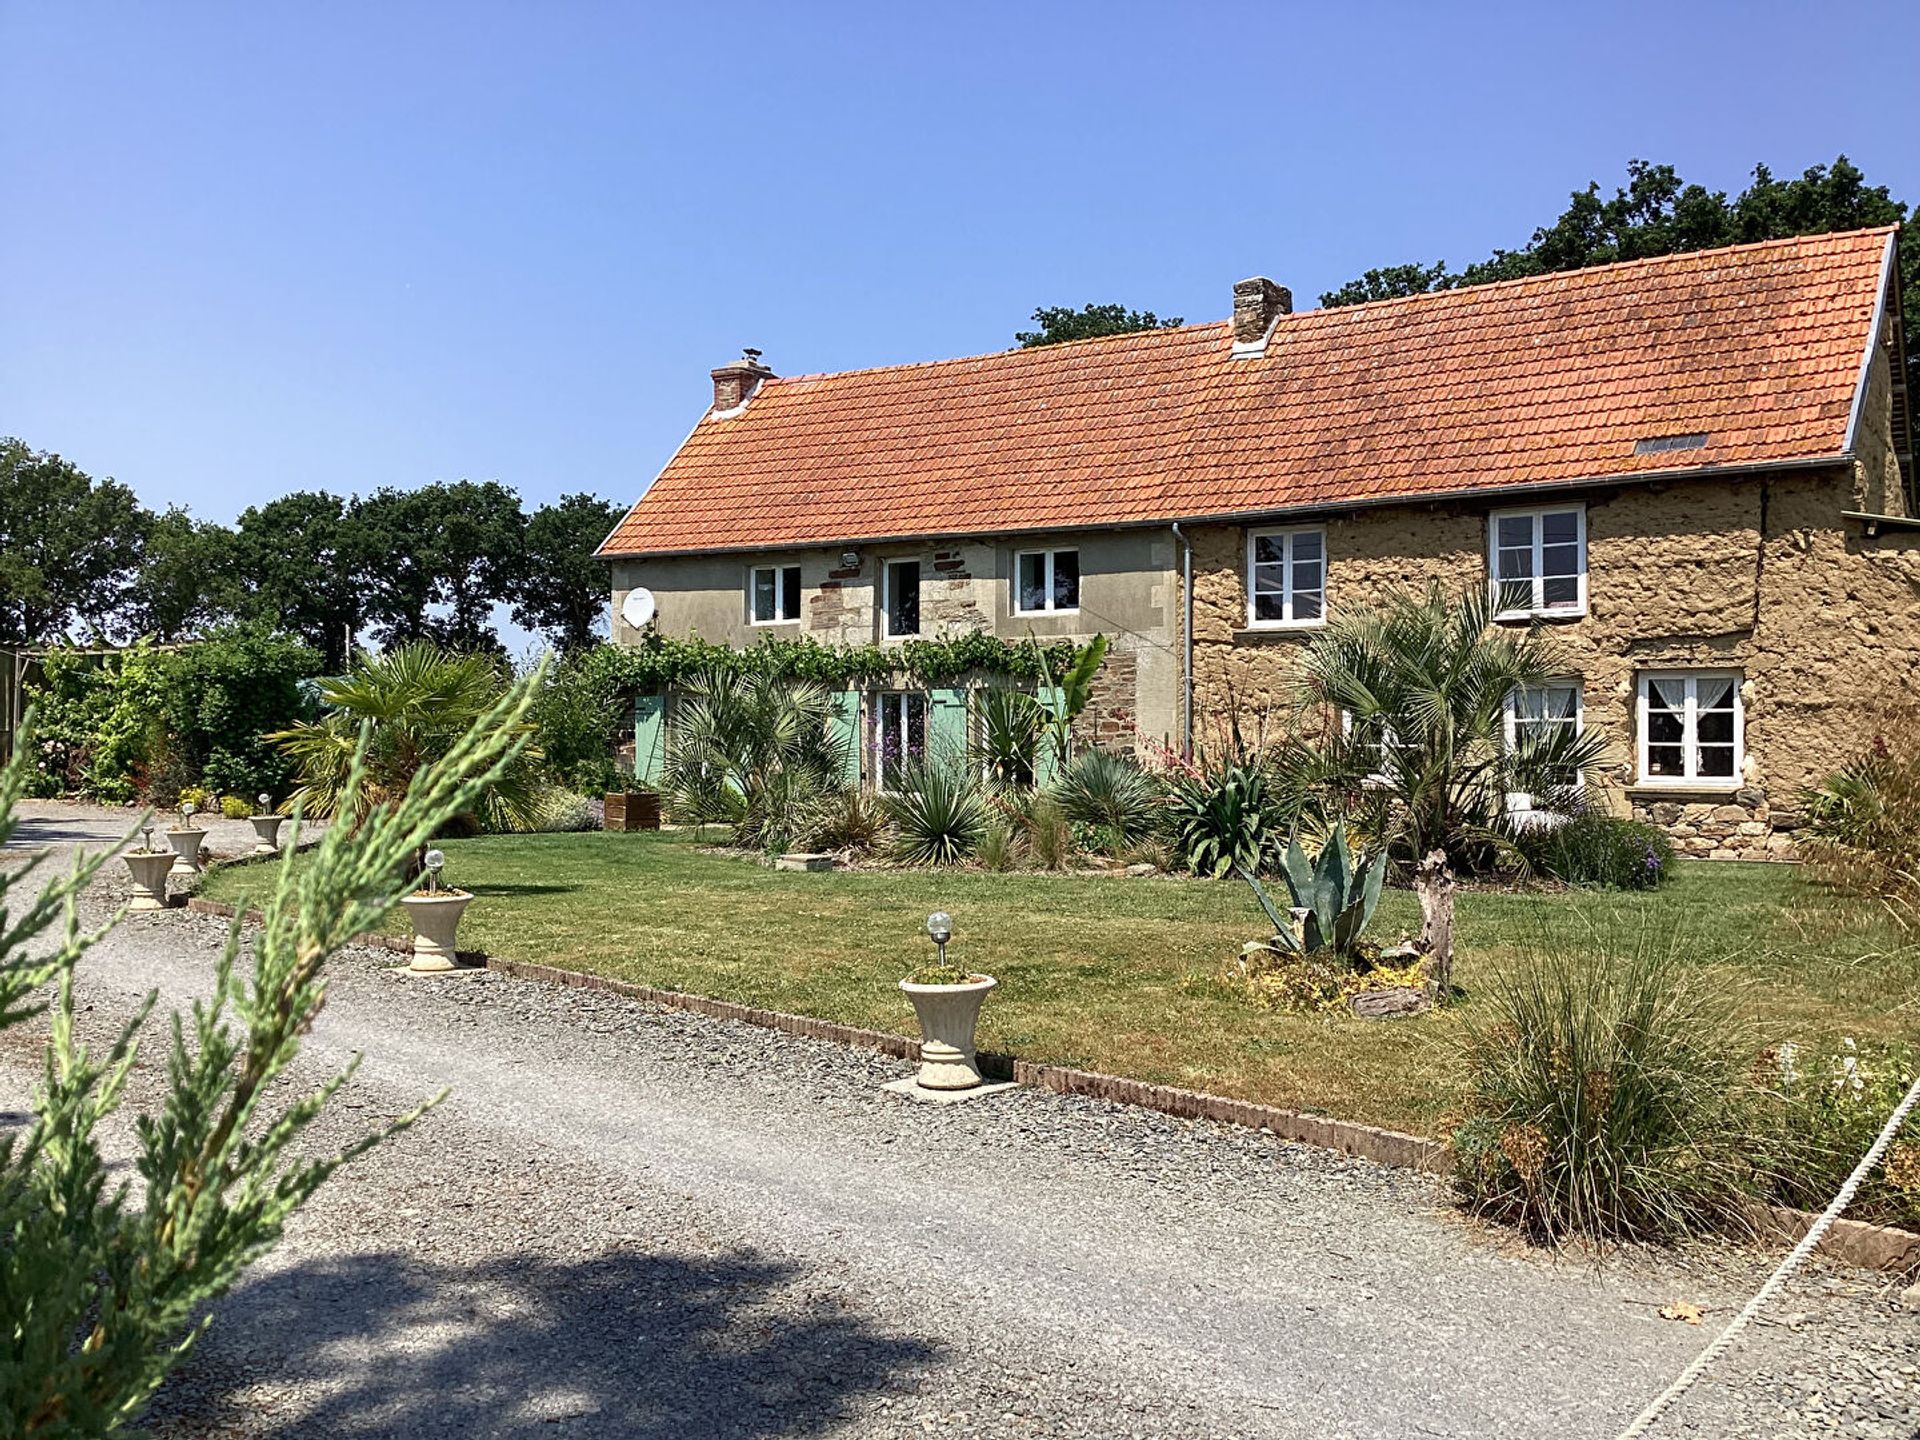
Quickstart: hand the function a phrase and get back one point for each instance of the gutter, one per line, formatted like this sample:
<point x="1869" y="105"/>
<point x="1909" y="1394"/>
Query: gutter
<point x="1186" y="642"/>
<point x="1307" y="511"/>
<point x="1874" y="524"/>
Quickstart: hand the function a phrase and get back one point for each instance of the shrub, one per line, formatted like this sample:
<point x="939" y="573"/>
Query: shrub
<point x="198" y="796"/>
<point x="232" y="807"/>
<point x="1047" y="833"/>
<point x="1862" y="833"/>
<point x="1600" y="850"/>
<point x="1815" y="1117"/>
<point x="1105" y="790"/>
<point x="1223" y="818"/>
<point x="561" y="811"/>
<point x="997" y="850"/>
<point x="852" y="820"/>
<point x="937" y="813"/>
<point x="1603" y="1098"/>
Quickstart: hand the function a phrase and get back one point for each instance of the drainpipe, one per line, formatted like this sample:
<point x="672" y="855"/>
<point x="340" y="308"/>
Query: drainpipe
<point x="1186" y="643"/>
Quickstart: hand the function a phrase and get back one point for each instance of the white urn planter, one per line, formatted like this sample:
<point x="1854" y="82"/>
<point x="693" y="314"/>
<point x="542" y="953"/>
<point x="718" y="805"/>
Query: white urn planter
<point x="435" y="917"/>
<point x="266" y="829"/>
<point x="948" y="1015"/>
<point x="150" y="870"/>
<point x="186" y="849"/>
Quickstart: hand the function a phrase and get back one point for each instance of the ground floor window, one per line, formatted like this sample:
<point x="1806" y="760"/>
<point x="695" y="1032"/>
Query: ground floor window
<point x="1539" y="715"/>
<point x="1691" y="727"/>
<point x="899" y="734"/>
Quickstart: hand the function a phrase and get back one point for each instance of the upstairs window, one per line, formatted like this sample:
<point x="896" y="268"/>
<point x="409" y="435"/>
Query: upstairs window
<point x="1286" y="577"/>
<point x="773" y="594"/>
<point x="903" y="597"/>
<point x="1046" y="582"/>
<point x="1692" y="728"/>
<point x="1538" y="562"/>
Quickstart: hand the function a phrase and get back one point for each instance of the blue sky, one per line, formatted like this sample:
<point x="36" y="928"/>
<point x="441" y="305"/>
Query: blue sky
<point x="252" y="249"/>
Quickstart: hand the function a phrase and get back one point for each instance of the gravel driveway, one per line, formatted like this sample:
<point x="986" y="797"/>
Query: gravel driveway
<point x="640" y="1223"/>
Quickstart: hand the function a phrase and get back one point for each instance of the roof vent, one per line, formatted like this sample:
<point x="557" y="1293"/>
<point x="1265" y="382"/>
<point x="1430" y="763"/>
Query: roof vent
<point x="1661" y="444"/>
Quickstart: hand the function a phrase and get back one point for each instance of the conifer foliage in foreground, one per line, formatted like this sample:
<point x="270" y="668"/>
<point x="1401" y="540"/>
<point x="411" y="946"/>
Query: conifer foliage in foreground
<point x="104" y="1285"/>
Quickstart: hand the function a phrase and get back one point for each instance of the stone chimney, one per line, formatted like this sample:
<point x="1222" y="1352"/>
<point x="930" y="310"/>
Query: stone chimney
<point x="1257" y="303"/>
<point x="733" y="385"/>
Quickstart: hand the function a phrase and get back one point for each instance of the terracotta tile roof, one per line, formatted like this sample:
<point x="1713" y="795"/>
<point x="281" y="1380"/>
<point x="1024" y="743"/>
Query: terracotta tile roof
<point x="1552" y="378"/>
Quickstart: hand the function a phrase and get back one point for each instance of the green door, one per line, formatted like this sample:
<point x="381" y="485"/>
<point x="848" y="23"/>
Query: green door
<point x="1053" y="705"/>
<point x="846" y="731"/>
<point x="947" y="727"/>
<point x="649" y="738"/>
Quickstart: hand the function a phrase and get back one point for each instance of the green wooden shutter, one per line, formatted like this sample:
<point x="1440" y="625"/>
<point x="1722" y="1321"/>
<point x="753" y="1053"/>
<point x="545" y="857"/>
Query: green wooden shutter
<point x="649" y="738"/>
<point x="846" y="729"/>
<point x="947" y="726"/>
<point x="1053" y="704"/>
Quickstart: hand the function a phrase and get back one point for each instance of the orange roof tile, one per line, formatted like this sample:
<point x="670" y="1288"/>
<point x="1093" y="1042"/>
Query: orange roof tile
<point x="1547" y="379"/>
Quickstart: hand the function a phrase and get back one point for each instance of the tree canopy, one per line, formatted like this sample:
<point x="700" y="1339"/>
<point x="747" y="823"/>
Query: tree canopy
<point x="1059" y="323"/>
<point x="1657" y="213"/>
<point x="69" y="545"/>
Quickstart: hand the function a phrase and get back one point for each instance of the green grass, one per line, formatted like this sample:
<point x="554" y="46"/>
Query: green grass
<point x="1118" y="975"/>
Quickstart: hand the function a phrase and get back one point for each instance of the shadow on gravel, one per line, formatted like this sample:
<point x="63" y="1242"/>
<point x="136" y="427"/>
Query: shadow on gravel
<point x="630" y="1345"/>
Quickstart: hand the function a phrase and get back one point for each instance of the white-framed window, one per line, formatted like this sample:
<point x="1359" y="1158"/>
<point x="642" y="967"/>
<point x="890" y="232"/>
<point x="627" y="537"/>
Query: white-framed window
<point x="1534" y="714"/>
<point x="1046" y="582"/>
<point x="1286" y="577"/>
<point x="1537" y="560"/>
<point x="901" y="603"/>
<point x="1380" y="742"/>
<point x="899" y="734"/>
<point x="1692" y="728"/>
<point x="773" y="594"/>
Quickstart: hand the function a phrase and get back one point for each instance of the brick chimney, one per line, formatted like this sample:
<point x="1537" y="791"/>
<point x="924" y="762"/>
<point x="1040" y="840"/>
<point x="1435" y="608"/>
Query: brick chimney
<point x="1257" y="304"/>
<point x="733" y="385"/>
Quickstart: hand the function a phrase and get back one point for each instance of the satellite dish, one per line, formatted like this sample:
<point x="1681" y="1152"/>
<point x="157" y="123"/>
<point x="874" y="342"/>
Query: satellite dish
<point x="638" y="608"/>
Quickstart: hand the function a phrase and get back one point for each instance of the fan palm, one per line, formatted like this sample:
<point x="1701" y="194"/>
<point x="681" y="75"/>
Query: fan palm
<point x="415" y="702"/>
<point x="759" y="751"/>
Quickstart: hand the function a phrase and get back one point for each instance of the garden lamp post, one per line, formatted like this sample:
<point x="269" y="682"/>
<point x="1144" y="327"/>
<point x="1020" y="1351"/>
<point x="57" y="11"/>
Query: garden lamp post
<point x="940" y="930"/>
<point x="436" y="861"/>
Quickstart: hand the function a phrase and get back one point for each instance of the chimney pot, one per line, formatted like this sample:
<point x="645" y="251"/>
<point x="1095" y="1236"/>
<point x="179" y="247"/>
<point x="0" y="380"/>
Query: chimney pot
<point x="733" y="385"/>
<point x="1257" y="303"/>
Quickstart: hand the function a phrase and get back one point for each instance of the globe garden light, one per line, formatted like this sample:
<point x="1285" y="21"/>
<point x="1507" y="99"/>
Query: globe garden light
<point x="435" y="861"/>
<point x="940" y="930"/>
<point x="266" y="802"/>
<point x="187" y="808"/>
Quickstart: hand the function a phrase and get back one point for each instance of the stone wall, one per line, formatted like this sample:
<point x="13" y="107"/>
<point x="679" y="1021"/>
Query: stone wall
<point x="1759" y="574"/>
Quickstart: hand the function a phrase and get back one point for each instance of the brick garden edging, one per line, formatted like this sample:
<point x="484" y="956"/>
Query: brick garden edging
<point x="1852" y="1242"/>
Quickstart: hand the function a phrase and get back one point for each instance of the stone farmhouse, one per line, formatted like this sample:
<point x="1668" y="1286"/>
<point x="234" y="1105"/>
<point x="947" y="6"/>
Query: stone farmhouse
<point x="1698" y="469"/>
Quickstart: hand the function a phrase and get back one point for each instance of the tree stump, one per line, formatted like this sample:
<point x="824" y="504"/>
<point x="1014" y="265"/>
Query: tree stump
<point x="1433" y="884"/>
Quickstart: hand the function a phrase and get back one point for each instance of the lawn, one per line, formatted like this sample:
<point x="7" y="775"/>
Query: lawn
<point x="1119" y="974"/>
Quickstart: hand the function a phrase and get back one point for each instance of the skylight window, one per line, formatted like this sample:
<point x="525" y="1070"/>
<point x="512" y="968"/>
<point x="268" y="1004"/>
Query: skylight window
<point x="1661" y="444"/>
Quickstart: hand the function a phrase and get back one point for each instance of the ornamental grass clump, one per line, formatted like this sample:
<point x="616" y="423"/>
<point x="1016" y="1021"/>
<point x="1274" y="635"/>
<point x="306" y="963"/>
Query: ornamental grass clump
<point x="104" y="1286"/>
<point x="1605" y="1097"/>
<point x="1111" y="794"/>
<point x="1862" y="834"/>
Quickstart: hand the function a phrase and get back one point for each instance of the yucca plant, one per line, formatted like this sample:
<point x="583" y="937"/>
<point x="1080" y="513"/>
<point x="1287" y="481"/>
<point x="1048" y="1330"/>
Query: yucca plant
<point x="937" y="812"/>
<point x="414" y="702"/>
<point x="1223" y="819"/>
<point x="1606" y="1095"/>
<point x="1006" y="735"/>
<point x="1113" y="793"/>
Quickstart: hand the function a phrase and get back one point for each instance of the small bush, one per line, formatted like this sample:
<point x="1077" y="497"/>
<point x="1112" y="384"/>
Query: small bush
<point x="937" y="813"/>
<point x="1863" y="822"/>
<point x="1048" y="833"/>
<point x="1600" y="850"/>
<point x="997" y="850"/>
<point x="1114" y="794"/>
<point x="1224" y="817"/>
<point x="232" y="807"/>
<point x="1817" y="1114"/>
<point x="853" y="820"/>
<point x="1604" y="1099"/>
<point x="561" y="811"/>
<point x="198" y="796"/>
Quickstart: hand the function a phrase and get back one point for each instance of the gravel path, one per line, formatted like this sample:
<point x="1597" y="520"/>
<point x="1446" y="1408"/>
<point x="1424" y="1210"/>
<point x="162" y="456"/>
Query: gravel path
<point x="636" y="1222"/>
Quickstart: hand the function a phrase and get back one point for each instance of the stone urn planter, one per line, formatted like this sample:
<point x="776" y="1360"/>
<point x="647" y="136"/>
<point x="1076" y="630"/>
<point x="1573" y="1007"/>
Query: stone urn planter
<point x="948" y="1015"/>
<point x="266" y="829"/>
<point x="435" y="917"/>
<point x="150" y="870"/>
<point x="186" y="843"/>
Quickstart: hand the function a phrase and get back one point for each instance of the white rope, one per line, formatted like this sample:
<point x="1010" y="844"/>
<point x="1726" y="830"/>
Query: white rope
<point x="1793" y="1262"/>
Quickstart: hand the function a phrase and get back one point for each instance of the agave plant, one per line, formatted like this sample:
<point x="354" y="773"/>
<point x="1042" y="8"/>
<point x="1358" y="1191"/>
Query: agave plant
<point x="1336" y="892"/>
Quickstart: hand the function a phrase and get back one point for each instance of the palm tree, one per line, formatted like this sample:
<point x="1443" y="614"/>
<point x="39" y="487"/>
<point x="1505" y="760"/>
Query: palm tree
<point x="413" y="703"/>
<point x="758" y="751"/>
<point x="1417" y="695"/>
